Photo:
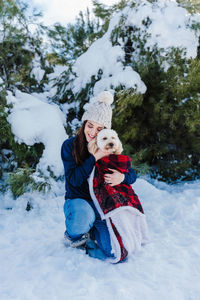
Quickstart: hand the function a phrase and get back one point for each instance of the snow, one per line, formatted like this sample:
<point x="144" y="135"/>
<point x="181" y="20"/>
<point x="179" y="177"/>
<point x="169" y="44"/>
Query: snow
<point x="102" y="55"/>
<point x="36" y="71"/>
<point x="49" y="88"/>
<point x="35" y="264"/>
<point x="165" y="30"/>
<point x="34" y="121"/>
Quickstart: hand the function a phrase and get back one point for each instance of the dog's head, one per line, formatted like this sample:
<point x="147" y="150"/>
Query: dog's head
<point x="106" y="140"/>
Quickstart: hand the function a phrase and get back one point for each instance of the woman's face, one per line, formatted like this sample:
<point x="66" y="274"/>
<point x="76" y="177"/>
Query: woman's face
<point x="91" y="130"/>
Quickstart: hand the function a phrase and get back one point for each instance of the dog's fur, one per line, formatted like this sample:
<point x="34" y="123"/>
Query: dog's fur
<point x="107" y="139"/>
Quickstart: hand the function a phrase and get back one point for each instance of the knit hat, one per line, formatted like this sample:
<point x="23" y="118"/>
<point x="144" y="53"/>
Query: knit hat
<point x="100" y="110"/>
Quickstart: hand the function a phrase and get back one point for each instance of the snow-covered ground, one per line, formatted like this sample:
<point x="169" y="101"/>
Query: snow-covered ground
<point x="35" y="264"/>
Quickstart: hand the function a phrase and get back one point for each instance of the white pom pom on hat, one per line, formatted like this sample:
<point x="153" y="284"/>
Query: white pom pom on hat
<point x="105" y="97"/>
<point x="100" y="110"/>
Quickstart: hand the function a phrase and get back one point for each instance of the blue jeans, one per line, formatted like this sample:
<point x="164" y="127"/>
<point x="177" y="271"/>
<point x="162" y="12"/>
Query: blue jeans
<point x="81" y="217"/>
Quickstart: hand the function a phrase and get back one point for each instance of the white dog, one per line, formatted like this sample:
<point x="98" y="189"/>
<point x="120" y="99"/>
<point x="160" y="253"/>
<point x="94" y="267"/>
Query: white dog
<point x="106" y="140"/>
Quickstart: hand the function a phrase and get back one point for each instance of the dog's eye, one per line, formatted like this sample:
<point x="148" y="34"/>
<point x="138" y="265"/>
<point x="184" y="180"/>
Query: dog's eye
<point x="105" y="138"/>
<point x="113" y="137"/>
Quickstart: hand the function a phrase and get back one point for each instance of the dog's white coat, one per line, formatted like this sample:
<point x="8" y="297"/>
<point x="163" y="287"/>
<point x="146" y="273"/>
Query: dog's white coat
<point x="107" y="136"/>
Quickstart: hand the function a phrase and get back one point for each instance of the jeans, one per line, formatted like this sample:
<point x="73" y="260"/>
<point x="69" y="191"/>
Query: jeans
<point x="81" y="217"/>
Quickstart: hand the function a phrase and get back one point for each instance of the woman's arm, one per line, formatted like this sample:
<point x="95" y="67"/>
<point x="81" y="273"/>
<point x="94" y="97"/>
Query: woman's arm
<point x="75" y="175"/>
<point x="130" y="177"/>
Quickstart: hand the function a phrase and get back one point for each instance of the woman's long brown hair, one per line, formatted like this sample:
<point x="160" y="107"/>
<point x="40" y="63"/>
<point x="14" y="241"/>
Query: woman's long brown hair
<point x="80" y="152"/>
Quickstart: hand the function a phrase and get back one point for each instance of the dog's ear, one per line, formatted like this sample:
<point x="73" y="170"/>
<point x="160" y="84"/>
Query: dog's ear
<point x="92" y="146"/>
<point x="119" y="149"/>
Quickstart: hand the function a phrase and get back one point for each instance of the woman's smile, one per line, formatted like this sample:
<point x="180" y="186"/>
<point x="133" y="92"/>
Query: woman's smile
<point x="91" y="130"/>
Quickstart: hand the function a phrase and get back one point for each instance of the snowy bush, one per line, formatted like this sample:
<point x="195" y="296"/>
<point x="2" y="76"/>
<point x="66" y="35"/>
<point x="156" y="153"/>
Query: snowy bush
<point x="31" y="130"/>
<point x="22" y="59"/>
<point x="138" y="49"/>
<point x="149" y="57"/>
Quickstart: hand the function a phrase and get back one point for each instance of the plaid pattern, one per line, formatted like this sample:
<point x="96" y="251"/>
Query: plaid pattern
<point x="110" y="198"/>
<point x="122" y="194"/>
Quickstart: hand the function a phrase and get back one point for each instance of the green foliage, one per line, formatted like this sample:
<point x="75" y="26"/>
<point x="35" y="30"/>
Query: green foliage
<point x="20" y="49"/>
<point x="159" y="130"/>
<point x="23" y="180"/>
<point x="19" y="181"/>
<point x="29" y="155"/>
<point x="22" y="153"/>
<point x="80" y="99"/>
<point x="68" y="43"/>
<point x="162" y="126"/>
<point x="6" y="136"/>
<point x="71" y="42"/>
<point x="5" y="131"/>
<point x="193" y="6"/>
<point x="77" y="100"/>
<point x="104" y="12"/>
<point x="141" y="168"/>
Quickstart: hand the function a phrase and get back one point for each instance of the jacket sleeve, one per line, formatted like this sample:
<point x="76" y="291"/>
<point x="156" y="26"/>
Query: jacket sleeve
<point x="74" y="174"/>
<point x="130" y="177"/>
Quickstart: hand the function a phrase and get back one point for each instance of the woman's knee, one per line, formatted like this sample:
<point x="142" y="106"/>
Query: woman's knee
<point x="79" y="216"/>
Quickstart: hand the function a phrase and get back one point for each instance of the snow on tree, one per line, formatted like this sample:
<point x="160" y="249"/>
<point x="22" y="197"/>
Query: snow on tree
<point x="156" y="22"/>
<point x="149" y="57"/>
<point x="34" y="121"/>
<point x="31" y="129"/>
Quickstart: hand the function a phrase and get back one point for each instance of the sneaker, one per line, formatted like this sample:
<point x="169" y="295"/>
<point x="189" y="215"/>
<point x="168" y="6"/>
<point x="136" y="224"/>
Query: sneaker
<point x="77" y="242"/>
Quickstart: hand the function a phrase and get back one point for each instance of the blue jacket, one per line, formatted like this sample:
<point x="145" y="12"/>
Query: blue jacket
<point x="76" y="183"/>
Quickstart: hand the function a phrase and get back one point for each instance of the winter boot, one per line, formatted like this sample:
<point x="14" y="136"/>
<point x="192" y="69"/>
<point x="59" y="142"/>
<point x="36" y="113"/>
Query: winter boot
<point x="75" y="243"/>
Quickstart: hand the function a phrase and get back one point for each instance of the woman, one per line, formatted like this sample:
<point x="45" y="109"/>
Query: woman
<point x="81" y="215"/>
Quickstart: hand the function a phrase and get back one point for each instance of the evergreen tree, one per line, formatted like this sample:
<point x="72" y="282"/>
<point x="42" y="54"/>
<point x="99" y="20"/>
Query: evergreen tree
<point x="104" y="12"/>
<point x="68" y="43"/>
<point x="21" y="49"/>
<point x="161" y="127"/>
<point x="72" y="42"/>
<point x="191" y="5"/>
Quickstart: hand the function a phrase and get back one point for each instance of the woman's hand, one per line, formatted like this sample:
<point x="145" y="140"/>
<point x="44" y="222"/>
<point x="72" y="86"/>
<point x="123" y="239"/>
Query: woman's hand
<point x="115" y="178"/>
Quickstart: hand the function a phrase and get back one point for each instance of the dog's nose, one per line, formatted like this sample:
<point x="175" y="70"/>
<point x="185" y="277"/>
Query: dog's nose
<point x="111" y="145"/>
